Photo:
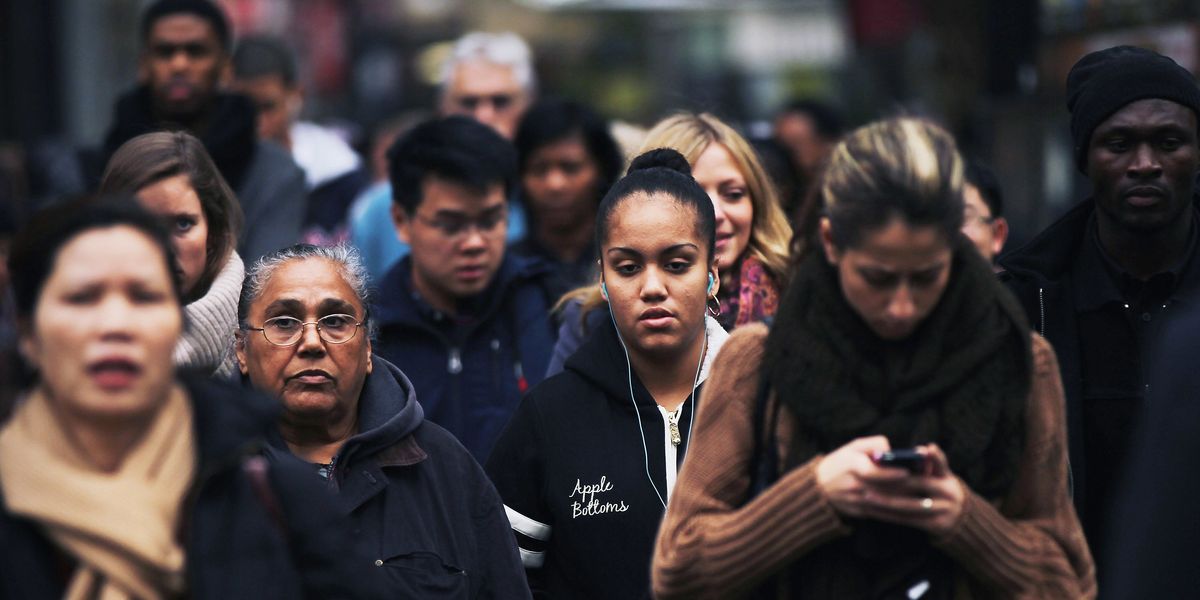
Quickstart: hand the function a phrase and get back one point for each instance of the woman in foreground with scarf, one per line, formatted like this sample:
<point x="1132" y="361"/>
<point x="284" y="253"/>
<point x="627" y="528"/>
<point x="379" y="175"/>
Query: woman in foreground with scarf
<point x="893" y="336"/>
<point x="118" y="479"/>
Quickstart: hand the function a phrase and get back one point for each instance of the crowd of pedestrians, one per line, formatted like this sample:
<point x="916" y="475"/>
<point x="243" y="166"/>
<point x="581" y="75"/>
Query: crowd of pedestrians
<point x="521" y="352"/>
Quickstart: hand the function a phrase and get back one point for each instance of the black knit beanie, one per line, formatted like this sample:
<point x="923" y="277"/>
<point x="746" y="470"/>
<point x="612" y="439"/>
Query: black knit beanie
<point x="1106" y="80"/>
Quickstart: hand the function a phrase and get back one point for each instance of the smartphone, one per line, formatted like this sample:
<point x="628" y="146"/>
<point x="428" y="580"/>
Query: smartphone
<point x="907" y="458"/>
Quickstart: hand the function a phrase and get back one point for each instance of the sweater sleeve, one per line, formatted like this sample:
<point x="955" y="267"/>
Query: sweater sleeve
<point x="1033" y="545"/>
<point x="712" y="543"/>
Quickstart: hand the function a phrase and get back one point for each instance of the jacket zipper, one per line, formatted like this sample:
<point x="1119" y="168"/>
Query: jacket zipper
<point x="1042" y="330"/>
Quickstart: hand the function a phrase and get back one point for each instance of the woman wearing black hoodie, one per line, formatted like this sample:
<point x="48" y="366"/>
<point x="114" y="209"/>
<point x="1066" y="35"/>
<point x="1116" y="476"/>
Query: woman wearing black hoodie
<point x="419" y="505"/>
<point x="588" y="462"/>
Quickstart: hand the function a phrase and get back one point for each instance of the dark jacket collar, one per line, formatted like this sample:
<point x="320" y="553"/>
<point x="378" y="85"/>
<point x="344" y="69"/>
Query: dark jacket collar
<point x="1049" y="256"/>
<point x="1099" y="280"/>
<point x="388" y="413"/>
<point x="230" y="138"/>
<point x="399" y="303"/>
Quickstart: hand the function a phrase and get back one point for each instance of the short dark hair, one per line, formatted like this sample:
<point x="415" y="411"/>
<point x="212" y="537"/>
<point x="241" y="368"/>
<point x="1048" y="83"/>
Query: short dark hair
<point x="984" y="180"/>
<point x="827" y="120"/>
<point x="552" y="120"/>
<point x="201" y="8"/>
<point x="262" y="56"/>
<point x="662" y="171"/>
<point x="458" y="149"/>
<point x="36" y="246"/>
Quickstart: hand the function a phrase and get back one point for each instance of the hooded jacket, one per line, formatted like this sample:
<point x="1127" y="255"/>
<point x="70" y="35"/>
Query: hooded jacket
<point x="1040" y="275"/>
<point x="241" y="540"/>
<point x="420" y="507"/>
<point x="268" y="184"/>
<point x="469" y="376"/>
<point x="575" y="469"/>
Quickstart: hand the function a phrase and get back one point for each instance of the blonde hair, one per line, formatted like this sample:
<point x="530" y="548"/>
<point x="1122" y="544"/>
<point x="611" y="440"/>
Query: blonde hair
<point x="905" y="168"/>
<point x="691" y="134"/>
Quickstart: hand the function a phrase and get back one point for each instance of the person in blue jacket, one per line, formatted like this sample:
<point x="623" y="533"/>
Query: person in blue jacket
<point x="468" y="322"/>
<point x="422" y="510"/>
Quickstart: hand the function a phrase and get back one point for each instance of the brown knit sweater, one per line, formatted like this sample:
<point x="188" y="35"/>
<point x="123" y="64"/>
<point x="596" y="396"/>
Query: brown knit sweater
<point x="1027" y="545"/>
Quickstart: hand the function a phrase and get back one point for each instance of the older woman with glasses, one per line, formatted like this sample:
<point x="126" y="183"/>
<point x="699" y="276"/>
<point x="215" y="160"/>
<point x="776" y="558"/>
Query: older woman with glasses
<point x="119" y="478"/>
<point x="423" y="509"/>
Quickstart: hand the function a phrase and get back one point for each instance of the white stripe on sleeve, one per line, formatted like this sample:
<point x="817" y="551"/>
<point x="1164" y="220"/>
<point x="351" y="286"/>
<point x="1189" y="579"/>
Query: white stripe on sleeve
<point x="526" y="526"/>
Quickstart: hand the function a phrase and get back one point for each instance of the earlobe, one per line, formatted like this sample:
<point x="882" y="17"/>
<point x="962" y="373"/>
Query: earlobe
<point x="999" y="234"/>
<point x="826" y="235"/>
<point x="239" y="348"/>
<point x="27" y="350"/>
<point x="400" y="222"/>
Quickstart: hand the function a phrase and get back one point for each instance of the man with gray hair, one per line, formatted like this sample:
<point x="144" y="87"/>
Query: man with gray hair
<point x="489" y="76"/>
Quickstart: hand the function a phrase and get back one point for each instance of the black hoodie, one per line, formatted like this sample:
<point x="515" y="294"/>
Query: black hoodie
<point x="421" y="507"/>
<point x="574" y="469"/>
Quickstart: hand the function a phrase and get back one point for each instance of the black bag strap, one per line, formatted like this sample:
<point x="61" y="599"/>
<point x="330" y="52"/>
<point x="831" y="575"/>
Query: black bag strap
<point x="257" y="469"/>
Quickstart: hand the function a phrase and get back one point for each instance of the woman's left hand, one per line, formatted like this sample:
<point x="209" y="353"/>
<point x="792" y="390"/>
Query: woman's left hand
<point x="932" y="501"/>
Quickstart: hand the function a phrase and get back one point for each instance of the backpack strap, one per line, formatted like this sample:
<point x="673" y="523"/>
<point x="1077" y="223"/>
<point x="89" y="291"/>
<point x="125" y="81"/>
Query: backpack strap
<point x="256" y="468"/>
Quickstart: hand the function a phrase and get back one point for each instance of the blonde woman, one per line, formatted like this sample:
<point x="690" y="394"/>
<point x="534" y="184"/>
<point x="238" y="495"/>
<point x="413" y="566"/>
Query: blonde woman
<point x="753" y="233"/>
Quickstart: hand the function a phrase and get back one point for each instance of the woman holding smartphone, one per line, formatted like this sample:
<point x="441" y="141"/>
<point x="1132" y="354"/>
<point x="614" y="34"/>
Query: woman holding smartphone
<point x="892" y="335"/>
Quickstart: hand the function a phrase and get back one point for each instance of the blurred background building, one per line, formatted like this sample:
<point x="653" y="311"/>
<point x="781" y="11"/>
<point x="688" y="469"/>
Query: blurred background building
<point x="991" y="70"/>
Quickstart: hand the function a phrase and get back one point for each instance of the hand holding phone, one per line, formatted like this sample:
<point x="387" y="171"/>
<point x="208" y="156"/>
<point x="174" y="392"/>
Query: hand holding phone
<point x="905" y="458"/>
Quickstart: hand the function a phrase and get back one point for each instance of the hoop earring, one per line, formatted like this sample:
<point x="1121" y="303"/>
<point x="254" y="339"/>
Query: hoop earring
<point x="709" y="307"/>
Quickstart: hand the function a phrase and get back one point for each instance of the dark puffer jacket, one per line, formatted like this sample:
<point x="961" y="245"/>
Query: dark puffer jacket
<point x="470" y="374"/>
<point x="243" y="539"/>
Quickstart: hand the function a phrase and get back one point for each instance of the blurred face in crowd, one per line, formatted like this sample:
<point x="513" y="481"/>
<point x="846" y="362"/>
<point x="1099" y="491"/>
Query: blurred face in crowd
<point x="561" y="182"/>
<point x="176" y="202"/>
<point x="716" y="172"/>
<point x="317" y="381"/>
<point x="985" y="230"/>
<point x="1142" y="161"/>
<point x="894" y="277"/>
<point x="182" y="62"/>
<point x="799" y="134"/>
<point x="656" y="269"/>
<point x="278" y="105"/>
<point x="456" y="237"/>
<point x="104" y="327"/>
<point x="489" y="93"/>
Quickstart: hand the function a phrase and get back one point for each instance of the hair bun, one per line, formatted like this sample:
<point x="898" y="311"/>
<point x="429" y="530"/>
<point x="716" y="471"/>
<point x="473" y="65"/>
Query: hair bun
<point x="661" y="158"/>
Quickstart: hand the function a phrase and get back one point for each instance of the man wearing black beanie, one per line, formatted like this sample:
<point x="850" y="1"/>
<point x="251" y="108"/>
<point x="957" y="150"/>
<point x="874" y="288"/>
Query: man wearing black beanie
<point x="1101" y="282"/>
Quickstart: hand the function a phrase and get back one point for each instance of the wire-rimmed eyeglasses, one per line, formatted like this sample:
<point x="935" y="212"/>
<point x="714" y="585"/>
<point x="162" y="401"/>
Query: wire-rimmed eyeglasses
<point x="286" y="331"/>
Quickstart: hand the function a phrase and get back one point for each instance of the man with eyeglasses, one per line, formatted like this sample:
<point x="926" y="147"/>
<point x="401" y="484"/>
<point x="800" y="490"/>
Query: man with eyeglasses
<point x="468" y="322"/>
<point x="983" y="206"/>
<point x="489" y="77"/>
<point x="185" y="52"/>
